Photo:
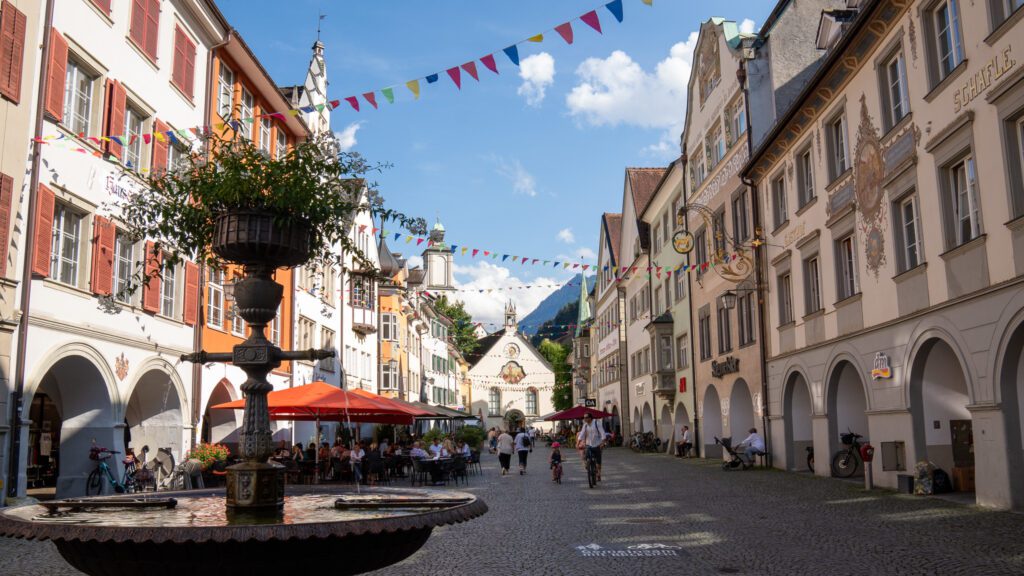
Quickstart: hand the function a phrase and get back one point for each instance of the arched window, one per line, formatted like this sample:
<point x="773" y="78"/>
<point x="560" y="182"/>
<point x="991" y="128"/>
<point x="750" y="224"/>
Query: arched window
<point x="494" y="402"/>
<point x="531" y="401"/>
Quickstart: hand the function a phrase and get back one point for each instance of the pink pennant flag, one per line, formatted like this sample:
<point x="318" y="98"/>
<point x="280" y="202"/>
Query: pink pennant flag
<point x="565" y="31"/>
<point x="534" y="260"/>
<point x="375" y="231"/>
<point x="591" y="19"/>
<point x="371" y="98"/>
<point x="488" y="61"/>
<point x="486" y="253"/>
<point x="353" y="101"/>
<point x="575" y="266"/>
<point x="362" y="228"/>
<point x="470" y="68"/>
<point x="146" y="138"/>
<point x="475" y="251"/>
<point x="456" y="77"/>
<point x="419" y="241"/>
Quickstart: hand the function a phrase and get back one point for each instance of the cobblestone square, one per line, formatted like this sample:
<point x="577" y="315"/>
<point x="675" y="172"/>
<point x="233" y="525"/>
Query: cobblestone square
<point x="658" y="515"/>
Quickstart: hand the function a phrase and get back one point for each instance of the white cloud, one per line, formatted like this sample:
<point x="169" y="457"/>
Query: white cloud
<point x="747" y="26"/>
<point x="513" y="171"/>
<point x="582" y="253"/>
<point x="347" y="137"/>
<point x="415" y="261"/>
<point x="537" y="72"/>
<point x="566" y="235"/>
<point x="489" y="307"/>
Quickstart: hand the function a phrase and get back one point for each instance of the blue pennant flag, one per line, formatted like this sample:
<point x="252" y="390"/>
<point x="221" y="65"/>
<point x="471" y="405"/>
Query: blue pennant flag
<point x="504" y="257"/>
<point x="397" y="235"/>
<point x="615" y="7"/>
<point x="513" y="52"/>
<point x="454" y="246"/>
<point x="432" y="78"/>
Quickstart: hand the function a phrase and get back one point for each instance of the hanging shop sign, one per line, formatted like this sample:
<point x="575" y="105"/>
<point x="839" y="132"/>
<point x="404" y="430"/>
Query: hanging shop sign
<point x="682" y="242"/>
<point x="728" y="366"/>
<point x="881" y="370"/>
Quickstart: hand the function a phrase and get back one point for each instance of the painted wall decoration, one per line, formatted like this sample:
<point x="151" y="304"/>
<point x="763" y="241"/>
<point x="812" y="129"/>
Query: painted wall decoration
<point x="512" y="351"/>
<point x="512" y="373"/>
<point x="868" y="173"/>
<point x="121" y="367"/>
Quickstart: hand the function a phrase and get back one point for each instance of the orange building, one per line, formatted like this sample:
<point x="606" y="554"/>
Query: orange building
<point x="243" y="99"/>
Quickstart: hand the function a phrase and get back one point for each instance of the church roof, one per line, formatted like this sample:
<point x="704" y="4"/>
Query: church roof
<point x="484" y="346"/>
<point x="389" y="265"/>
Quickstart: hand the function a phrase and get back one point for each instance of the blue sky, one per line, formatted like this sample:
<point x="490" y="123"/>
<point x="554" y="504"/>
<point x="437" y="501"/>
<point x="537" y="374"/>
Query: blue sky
<point x="523" y="162"/>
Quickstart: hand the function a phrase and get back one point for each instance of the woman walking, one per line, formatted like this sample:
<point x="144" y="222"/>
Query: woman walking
<point x="523" y="448"/>
<point x="505" y="447"/>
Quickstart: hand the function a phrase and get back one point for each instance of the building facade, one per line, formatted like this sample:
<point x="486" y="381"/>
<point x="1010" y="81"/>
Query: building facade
<point x="608" y="330"/>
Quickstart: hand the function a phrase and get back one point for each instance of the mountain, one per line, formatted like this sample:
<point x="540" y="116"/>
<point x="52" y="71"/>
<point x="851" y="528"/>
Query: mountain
<point x="550" y="306"/>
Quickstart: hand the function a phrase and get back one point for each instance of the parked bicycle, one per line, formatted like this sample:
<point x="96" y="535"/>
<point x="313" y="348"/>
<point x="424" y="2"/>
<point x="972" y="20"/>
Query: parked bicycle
<point x="94" y="484"/>
<point x="846" y="461"/>
<point x="645" y="442"/>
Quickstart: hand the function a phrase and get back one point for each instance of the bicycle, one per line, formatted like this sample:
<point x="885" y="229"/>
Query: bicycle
<point x="846" y="461"/>
<point x="591" y="464"/>
<point x="556" y="472"/>
<point x="94" y="484"/>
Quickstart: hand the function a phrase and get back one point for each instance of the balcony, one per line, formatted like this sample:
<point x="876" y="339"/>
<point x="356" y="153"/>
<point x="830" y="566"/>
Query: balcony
<point x="665" y="384"/>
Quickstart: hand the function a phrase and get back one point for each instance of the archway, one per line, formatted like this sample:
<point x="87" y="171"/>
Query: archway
<point x="1011" y="387"/>
<point x="221" y="426"/>
<point x="741" y="411"/>
<point x="514" y="419"/>
<point x="682" y="418"/>
<point x="616" y="424"/>
<point x="939" y="398"/>
<point x="75" y="409"/>
<point x="665" y="424"/>
<point x="847" y="406"/>
<point x="711" y="425"/>
<point x="648" y="419"/>
<point x="636" y="420"/>
<point x="798" y="427"/>
<point x="153" y="416"/>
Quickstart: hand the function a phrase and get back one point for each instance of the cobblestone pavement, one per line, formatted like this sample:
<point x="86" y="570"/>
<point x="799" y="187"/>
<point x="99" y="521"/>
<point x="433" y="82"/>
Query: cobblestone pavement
<point x="715" y="522"/>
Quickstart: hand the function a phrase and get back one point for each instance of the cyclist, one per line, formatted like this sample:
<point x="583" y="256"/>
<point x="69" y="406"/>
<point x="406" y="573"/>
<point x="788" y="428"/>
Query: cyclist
<point x="592" y="439"/>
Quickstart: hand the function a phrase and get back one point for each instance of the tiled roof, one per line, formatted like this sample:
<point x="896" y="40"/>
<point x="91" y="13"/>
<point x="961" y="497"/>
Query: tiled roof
<point x="613" y="226"/>
<point x="643" y="182"/>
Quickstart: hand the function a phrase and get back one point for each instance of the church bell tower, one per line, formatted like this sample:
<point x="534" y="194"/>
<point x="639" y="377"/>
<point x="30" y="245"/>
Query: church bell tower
<point x="510" y="318"/>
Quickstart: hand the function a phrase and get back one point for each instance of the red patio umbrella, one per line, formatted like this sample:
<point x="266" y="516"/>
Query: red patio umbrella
<point x="577" y="413"/>
<point x="405" y="407"/>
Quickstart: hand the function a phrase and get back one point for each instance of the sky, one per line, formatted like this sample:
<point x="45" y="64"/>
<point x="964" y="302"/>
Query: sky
<point x="523" y="162"/>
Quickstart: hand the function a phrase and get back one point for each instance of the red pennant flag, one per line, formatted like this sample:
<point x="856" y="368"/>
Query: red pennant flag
<point x="475" y="252"/>
<point x="362" y="227"/>
<point x="353" y="101"/>
<point x="455" y="76"/>
<point x="375" y="231"/>
<point x="488" y="61"/>
<point x="145" y="138"/>
<point x="371" y="98"/>
<point x="486" y="253"/>
<point x="565" y="31"/>
<point x="590" y="19"/>
<point x="575" y="265"/>
<point x="419" y="241"/>
<point x="334" y="104"/>
<point x="470" y="68"/>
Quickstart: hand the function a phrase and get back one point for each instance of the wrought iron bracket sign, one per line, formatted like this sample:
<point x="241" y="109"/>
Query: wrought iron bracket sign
<point x="728" y="366"/>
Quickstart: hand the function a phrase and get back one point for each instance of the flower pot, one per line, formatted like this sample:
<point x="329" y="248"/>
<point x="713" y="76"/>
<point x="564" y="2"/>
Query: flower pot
<point x="257" y="237"/>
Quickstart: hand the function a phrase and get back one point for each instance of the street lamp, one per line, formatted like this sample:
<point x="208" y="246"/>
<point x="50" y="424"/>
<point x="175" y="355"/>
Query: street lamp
<point x="729" y="299"/>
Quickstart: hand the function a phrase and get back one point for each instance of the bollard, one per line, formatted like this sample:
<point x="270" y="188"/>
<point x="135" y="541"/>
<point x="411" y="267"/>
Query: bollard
<point x="868" y="482"/>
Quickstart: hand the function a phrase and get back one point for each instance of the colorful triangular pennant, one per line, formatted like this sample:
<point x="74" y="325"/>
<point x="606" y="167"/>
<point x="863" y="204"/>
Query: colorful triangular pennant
<point x="591" y="19"/>
<point x="489" y="62"/>
<point x="513" y="54"/>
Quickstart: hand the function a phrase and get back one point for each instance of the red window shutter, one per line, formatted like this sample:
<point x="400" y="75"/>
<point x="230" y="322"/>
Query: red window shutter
<point x="117" y="101"/>
<point x="137" y="28"/>
<point x="151" y="288"/>
<point x="191" y="313"/>
<point x="103" y="238"/>
<point x="152" y="28"/>
<point x="12" y="51"/>
<point x="103" y="5"/>
<point x="44" y="231"/>
<point x="57" y="76"/>
<point x="178" y="65"/>
<point x="6" y="196"/>
<point x="160" y="148"/>
<point x="189" y="72"/>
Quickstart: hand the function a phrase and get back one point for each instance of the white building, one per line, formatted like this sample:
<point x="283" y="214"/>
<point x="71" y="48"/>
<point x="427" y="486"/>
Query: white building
<point x="607" y="333"/>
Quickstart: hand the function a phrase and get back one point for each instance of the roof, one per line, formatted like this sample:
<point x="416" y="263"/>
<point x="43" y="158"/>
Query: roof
<point x="389" y="265"/>
<point x="643" y="182"/>
<point x="613" y="231"/>
<point x="416" y="276"/>
<point x="484" y="346"/>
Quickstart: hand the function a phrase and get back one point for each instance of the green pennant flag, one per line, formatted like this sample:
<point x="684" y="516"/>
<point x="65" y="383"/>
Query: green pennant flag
<point x="388" y="93"/>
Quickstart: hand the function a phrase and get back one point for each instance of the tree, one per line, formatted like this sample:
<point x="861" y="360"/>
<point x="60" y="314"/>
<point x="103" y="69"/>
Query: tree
<point x="463" y="334"/>
<point x="556" y="355"/>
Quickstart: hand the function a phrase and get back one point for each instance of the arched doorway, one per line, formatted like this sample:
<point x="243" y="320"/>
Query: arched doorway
<point x="711" y="425"/>
<point x="741" y="411"/>
<point x="636" y="424"/>
<point x="665" y="425"/>
<point x="943" y="432"/>
<point x="648" y="419"/>
<point x="221" y="426"/>
<point x="616" y="424"/>
<point x="75" y="409"/>
<point x="1011" y="387"/>
<point x="847" y="407"/>
<point x="682" y="418"/>
<point x="153" y="416"/>
<point x="514" y="419"/>
<point x="798" y="427"/>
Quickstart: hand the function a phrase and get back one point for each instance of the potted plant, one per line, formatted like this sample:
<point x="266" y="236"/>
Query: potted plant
<point x="208" y="454"/>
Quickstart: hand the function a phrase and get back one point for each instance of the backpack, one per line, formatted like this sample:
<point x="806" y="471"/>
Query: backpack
<point x="526" y="441"/>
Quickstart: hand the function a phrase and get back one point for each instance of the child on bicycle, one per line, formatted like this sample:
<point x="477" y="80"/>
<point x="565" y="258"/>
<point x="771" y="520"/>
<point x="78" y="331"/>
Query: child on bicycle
<point x="555" y="461"/>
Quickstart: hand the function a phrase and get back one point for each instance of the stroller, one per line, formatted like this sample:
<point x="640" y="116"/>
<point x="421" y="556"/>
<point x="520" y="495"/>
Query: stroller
<point x="734" y="461"/>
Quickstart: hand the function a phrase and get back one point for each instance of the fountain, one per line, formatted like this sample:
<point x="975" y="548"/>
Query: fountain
<point x="253" y="527"/>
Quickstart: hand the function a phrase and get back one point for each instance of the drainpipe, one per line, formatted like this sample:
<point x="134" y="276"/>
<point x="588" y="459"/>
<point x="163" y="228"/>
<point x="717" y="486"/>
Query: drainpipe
<point x="695" y="428"/>
<point x="654" y="344"/>
<point x="27" y="251"/>
<point x="759" y="256"/>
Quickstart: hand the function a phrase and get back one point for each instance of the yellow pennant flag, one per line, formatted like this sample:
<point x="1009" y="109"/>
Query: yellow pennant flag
<point x="648" y="2"/>
<point x="464" y="250"/>
<point x="414" y="87"/>
<point x="293" y="112"/>
<point x="408" y="239"/>
<point x="566" y="265"/>
<point x="540" y="37"/>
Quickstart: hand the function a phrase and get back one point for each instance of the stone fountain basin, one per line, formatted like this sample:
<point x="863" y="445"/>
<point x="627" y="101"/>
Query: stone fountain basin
<point x="309" y="536"/>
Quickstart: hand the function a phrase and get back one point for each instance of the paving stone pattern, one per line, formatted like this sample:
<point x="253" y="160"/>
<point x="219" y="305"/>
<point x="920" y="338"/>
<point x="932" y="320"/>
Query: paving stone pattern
<point x="723" y="522"/>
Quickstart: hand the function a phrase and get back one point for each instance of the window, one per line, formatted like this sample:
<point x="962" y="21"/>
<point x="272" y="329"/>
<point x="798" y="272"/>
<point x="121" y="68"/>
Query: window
<point x="282" y="144"/>
<point x="1003" y="9"/>
<point x="656" y="238"/>
<point x="716" y="148"/>
<point x="698" y="171"/>
<point x="740" y="220"/>
<point x="779" y="212"/>
<point x="168" y="288"/>
<point x="145" y="25"/>
<point x="307" y="278"/>
<point x="265" y="127"/>
<point x="225" y="91"/>
<point x="665" y="352"/>
<point x="785" y="299"/>
<point x="327" y="343"/>
<point x="657" y="302"/>
<point x="907" y="233"/>
<point x="124" y="259"/>
<point x="215" y="298"/>
<point x="67" y="227"/>
<point x="805" y="179"/>
<point x="704" y="326"/>
<point x="246" y="112"/>
<point x="305" y="337"/>
<point x="133" y="120"/>
<point x="668" y="294"/>
<point x="895" y="104"/>
<point x="1015" y="131"/>
<point x="718" y="229"/>
<point x="680" y="280"/>
<point x="700" y="250"/>
<point x="682" y="351"/>
<point x="177" y="157"/>
<point x="389" y="375"/>
<point x="836" y="137"/>
<point x="666" y="228"/>
<point x="329" y="285"/>
<point x="362" y="292"/>
<point x="184" y="70"/>
<point x="531" y="401"/>
<point x="275" y="328"/>
<point x="78" y="91"/>
<point x="812" y="285"/>
<point x="494" y="402"/>
<point x="237" y="323"/>
<point x="963" y="197"/>
<point x="846" y="268"/>
<point x="738" y="120"/>
<point x="944" y="38"/>
<point x="724" y="330"/>
<point x="745" y="318"/>
<point x="389" y="327"/>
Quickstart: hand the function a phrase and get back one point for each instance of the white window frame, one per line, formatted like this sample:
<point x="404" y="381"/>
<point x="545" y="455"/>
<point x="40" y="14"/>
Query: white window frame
<point x="847" y="284"/>
<point x="724" y="329"/>
<point x="785" y="299"/>
<point x="327" y="337"/>
<point x="215" y="298"/>
<point x="247" y="104"/>
<point x="134" y="121"/>
<point x="237" y="322"/>
<point x="494" y="402"/>
<point x="898" y="103"/>
<point x="168" y="289"/>
<point x="75" y="98"/>
<point x="531" y="401"/>
<point x="682" y="351"/>
<point x="740" y="218"/>
<point x="389" y="375"/>
<point x="67" y="227"/>
<point x="225" y="91"/>
<point x="839" y="161"/>
<point x="805" y="178"/>
<point x="266" y="125"/>
<point x="812" y="273"/>
<point x="946" y="60"/>
<point x="964" y="200"/>
<point x="282" y="144"/>
<point x="780" y="211"/>
<point x="275" y="327"/>
<point x="123" y="264"/>
<point x="912" y="249"/>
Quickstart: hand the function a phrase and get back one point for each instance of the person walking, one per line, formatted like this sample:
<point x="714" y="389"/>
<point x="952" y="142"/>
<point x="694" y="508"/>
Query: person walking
<point x="505" y="445"/>
<point x="492" y="440"/>
<point x="523" y="449"/>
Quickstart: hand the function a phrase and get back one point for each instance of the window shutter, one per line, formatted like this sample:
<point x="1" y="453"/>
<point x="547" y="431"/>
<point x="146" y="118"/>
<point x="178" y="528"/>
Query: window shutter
<point x="152" y="27"/>
<point x="57" y="76"/>
<point x="44" y="231"/>
<point x="103" y="237"/>
<point x="191" y="312"/>
<point x="178" y="66"/>
<point x="12" y="51"/>
<point x="117" y="101"/>
<point x="189" y="70"/>
<point x="151" y="288"/>
<point x="6" y="196"/>
<point x="137" y="28"/>
<point x="160" y="148"/>
<point x="103" y="5"/>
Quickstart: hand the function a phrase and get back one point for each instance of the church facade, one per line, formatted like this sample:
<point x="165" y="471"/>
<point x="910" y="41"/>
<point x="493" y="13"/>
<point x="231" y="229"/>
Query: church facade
<point x="512" y="383"/>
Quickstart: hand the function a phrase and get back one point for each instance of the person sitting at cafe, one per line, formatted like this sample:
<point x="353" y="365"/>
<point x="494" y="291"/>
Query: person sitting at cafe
<point x="447" y="449"/>
<point x="418" y="452"/>
<point x="297" y="454"/>
<point x="463" y="448"/>
<point x="384" y="447"/>
<point x="435" y="448"/>
<point x="337" y="450"/>
<point x="324" y="453"/>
